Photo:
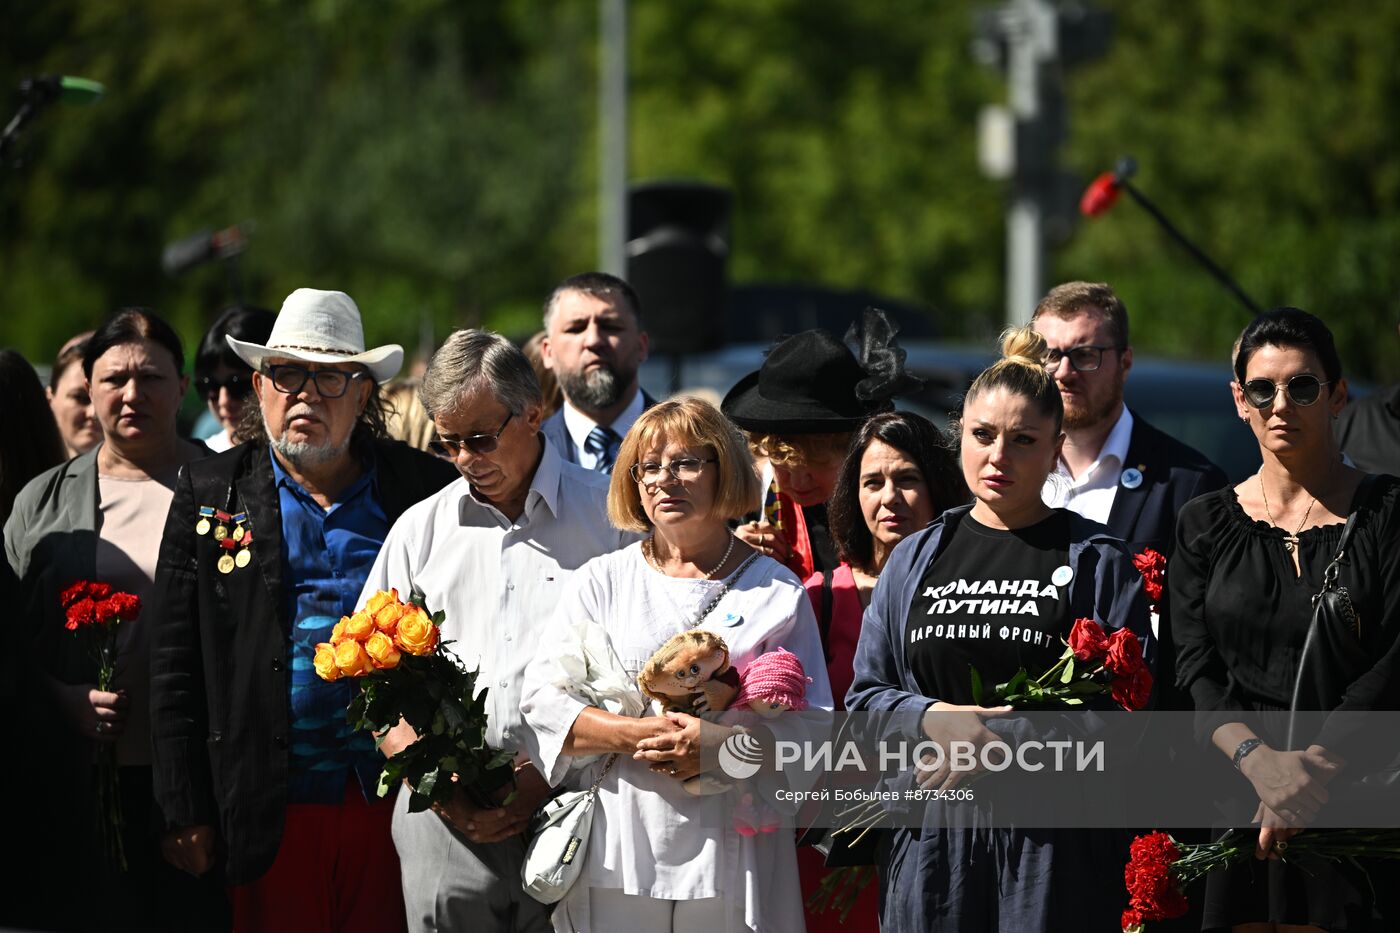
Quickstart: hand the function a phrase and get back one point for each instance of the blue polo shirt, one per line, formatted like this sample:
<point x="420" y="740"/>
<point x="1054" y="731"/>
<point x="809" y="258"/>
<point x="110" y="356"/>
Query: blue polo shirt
<point x="327" y="555"/>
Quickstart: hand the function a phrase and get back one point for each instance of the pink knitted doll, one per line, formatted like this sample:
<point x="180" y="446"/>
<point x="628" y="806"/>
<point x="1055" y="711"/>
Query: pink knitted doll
<point x="772" y="683"/>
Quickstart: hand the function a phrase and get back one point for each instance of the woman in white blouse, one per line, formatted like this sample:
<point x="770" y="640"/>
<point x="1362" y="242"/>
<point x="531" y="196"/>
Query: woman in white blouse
<point x="659" y="858"/>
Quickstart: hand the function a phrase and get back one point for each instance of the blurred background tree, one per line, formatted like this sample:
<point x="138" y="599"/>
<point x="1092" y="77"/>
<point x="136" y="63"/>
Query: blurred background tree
<point x="438" y="160"/>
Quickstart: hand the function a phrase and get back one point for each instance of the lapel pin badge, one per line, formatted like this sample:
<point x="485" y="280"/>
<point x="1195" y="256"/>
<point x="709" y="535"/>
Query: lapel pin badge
<point x="1131" y="478"/>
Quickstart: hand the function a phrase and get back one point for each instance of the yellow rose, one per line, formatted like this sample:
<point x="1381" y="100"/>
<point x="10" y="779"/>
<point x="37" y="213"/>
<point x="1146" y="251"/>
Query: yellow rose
<point x="325" y="662"/>
<point x="338" y="633"/>
<point x="381" y="650"/>
<point x="350" y="657"/>
<point x="416" y="633"/>
<point x="387" y="618"/>
<point x="359" y="627"/>
<point x="381" y="599"/>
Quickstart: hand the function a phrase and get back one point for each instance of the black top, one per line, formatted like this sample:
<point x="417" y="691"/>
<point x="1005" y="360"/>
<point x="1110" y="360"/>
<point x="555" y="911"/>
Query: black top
<point x="991" y="599"/>
<point x="1240" y="613"/>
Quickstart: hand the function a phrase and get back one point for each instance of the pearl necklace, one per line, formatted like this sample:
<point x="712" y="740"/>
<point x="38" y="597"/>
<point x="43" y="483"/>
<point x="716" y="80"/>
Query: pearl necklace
<point x="651" y="556"/>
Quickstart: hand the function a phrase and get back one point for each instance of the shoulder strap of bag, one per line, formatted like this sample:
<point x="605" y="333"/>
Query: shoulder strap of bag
<point x="1329" y="583"/>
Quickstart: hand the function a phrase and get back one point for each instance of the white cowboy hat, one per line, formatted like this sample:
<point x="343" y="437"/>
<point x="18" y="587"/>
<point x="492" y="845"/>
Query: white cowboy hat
<point x="316" y="326"/>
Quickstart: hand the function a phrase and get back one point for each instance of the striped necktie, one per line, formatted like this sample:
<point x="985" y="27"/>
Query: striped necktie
<point x="602" y="443"/>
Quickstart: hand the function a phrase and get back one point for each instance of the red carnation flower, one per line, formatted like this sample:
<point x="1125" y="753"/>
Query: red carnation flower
<point x="73" y="592"/>
<point x="1153" y="567"/>
<point x="1152" y="889"/>
<point x="98" y="591"/>
<point x="83" y="612"/>
<point x="1087" y="640"/>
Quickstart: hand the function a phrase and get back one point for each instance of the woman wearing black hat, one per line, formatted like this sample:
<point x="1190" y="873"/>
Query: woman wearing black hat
<point x="799" y="411"/>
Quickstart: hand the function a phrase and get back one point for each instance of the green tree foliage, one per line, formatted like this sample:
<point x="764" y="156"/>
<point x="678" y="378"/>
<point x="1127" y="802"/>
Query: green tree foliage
<point x="438" y="159"/>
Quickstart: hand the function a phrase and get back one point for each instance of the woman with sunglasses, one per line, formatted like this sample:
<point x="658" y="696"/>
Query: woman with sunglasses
<point x="1248" y="561"/>
<point x="223" y="380"/>
<point x="660" y="858"/>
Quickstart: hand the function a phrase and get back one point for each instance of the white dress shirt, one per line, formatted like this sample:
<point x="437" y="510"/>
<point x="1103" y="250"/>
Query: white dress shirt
<point x="579" y="425"/>
<point x="499" y="581"/>
<point x="1091" y="495"/>
<point x="650" y="837"/>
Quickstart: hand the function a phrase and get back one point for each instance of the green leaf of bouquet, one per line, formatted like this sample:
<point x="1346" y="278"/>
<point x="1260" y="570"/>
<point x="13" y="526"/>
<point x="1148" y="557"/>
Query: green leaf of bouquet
<point x="438" y="618"/>
<point x="976" y="687"/>
<point x="1068" y="673"/>
<point x="417" y="803"/>
<point x="1086" y="687"/>
<point x="427" y="782"/>
<point x="1073" y="701"/>
<point x="501" y="758"/>
<point x="1016" y="681"/>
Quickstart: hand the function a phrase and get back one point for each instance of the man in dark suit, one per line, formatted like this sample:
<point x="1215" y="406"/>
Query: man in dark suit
<point x="594" y="343"/>
<point x="266" y="546"/>
<point x="1115" y="467"/>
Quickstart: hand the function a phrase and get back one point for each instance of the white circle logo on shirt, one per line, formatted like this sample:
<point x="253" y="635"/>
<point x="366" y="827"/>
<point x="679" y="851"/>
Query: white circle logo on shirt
<point x="1131" y="478"/>
<point x="1062" y="576"/>
<point x="740" y="756"/>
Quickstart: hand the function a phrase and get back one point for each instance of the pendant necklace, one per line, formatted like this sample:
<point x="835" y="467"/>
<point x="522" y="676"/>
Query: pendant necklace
<point x="1290" y="541"/>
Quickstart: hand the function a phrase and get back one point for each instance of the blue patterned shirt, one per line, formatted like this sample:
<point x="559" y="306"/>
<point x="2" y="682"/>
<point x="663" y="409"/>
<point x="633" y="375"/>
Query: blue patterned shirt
<point x="327" y="555"/>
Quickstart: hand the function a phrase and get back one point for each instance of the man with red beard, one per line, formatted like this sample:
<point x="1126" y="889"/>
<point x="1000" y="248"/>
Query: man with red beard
<point x="1115" y="468"/>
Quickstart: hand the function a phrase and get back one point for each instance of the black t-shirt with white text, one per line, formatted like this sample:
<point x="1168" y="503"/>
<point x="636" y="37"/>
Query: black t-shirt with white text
<point x="992" y="599"/>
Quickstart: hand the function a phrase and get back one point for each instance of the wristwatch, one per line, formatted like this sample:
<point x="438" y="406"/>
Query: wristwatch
<point x="1243" y="749"/>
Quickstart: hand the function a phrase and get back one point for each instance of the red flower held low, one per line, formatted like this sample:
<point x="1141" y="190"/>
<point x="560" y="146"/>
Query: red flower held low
<point x="1087" y="640"/>
<point x="1124" y="655"/>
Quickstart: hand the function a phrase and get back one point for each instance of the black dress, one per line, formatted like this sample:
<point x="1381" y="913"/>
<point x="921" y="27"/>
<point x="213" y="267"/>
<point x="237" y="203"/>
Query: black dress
<point x="1240" y="613"/>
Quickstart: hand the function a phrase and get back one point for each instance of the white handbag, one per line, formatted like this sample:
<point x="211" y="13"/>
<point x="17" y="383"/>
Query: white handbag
<point x="557" y="852"/>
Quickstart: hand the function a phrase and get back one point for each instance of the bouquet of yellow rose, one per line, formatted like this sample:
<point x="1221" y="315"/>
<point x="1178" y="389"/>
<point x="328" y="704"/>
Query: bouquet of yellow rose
<point x="405" y="672"/>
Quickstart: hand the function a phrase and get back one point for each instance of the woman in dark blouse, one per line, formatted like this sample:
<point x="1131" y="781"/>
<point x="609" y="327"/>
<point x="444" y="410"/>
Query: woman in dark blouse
<point x="1247" y="563"/>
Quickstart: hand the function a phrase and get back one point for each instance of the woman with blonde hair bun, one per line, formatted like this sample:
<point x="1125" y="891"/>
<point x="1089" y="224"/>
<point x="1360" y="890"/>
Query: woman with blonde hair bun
<point x="966" y="869"/>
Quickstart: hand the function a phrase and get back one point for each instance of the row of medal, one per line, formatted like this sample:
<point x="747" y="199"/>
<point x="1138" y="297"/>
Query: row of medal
<point x="235" y="541"/>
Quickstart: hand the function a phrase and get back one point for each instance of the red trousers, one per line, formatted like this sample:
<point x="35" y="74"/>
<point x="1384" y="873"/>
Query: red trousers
<point x="335" y="872"/>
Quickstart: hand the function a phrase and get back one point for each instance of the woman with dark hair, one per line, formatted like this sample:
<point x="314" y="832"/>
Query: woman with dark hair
<point x="223" y="380"/>
<point x="31" y="442"/>
<point x="1247" y="564"/>
<point x="69" y="399"/>
<point x="962" y="870"/>
<point x="898" y="475"/>
<point x="100" y="517"/>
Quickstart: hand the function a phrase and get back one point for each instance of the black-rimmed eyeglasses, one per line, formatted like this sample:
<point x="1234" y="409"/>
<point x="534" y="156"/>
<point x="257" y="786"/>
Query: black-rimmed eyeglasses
<point x="476" y="443"/>
<point x="330" y="383"/>
<point x="1303" y="390"/>
<point x="1083" y="359"/>
<point x="681" y="469"/>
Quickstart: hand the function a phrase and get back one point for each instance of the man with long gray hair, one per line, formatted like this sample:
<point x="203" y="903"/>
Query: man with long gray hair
<point x="493" y="550"/>
<point x="594" y="344"/>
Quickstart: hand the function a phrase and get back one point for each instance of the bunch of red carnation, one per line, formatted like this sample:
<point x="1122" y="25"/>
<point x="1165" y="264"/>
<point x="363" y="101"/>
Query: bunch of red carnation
<point x="1153" y="892"/>
<point x="1153" y="567"/>
<point x="87" y="602"/>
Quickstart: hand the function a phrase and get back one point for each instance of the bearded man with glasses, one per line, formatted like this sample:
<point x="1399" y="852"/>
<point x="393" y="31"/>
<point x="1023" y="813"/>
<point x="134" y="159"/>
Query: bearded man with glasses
<point x="266" y="547"/>
<point x="1115" y="467"/>
<point x="493" y="551"/>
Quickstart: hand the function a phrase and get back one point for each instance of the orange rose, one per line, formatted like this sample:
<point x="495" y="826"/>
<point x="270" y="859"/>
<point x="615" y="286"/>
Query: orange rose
<point x="338" y="633"/>
<point x="350" y="657"/>
<point x="360" y="626"/>
<point x="325" y="662"/>
<point x="416" y="633"/>
<point x="381" y="650"/>
<point x="387" y="618"/>
<point x="381" y="599"/>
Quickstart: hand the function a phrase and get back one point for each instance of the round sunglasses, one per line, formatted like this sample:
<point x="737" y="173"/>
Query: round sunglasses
<point x="238" y="385"/>
<point x="1303" y="390"/>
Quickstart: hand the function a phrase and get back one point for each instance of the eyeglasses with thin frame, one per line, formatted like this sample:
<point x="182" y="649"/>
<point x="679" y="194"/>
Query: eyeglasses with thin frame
<point x="290" y="379"/>
<point x="1082" y="359"/>
<point x="238" y="385"/>
<point x="476" y="443"/>
<point x="681" y="469"/>
<point x="1303" y="390"/>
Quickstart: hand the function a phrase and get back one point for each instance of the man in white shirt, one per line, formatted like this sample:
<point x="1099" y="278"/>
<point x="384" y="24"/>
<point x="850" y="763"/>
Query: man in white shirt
<point x="1115" y="467"/>
<point x="492" y="550"/>
<point x="594" y="343"/>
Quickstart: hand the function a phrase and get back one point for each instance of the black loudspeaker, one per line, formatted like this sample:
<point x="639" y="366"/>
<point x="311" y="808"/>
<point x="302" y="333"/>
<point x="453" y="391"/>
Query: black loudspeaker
<point x="677" y="260"/>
